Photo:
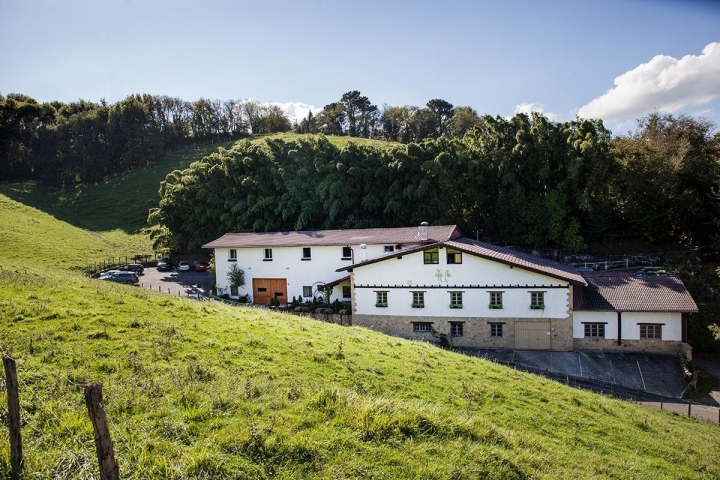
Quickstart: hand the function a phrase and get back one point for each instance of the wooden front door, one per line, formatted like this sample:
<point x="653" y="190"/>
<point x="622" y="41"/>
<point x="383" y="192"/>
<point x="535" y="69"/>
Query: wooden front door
<point x="533" y="335"/>
<point x="266" y="288"/>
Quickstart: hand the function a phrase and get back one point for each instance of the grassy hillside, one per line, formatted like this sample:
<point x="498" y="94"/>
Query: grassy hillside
<point x="199" y="390"/>
<point x="117" y="208"/>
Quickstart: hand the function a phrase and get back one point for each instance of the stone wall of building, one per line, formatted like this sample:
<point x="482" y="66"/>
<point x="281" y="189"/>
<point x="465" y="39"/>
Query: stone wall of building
<point x="645" y="345"/>
<point x="476" y="331"/>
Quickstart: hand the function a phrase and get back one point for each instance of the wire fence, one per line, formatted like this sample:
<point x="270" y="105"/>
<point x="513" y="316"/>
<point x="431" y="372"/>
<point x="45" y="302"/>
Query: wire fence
<point x="687" y="407"/>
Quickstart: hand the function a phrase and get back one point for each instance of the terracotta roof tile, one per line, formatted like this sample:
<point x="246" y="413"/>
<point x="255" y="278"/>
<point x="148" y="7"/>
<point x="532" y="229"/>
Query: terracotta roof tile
<point x="373" y="236"/>
<point x="519" y="259"/>
<point x="627" y="293"/>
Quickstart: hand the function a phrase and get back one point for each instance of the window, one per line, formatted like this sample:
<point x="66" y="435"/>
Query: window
<point x="233" y="290"/>
<point x="496" y="329"/>
<point x="346" y="253"/>
<point x="268" y="254"/>
<point x="496" y="300"/>
<point x="537" y="300"/>
<point x="306" y="253"/>
<point x="595" y="330"/>
<point x="346" y="292"/>
<point x="454" y="257"/>
<point x="422" y="327"/>
<point x="418" y="299"/>
<point x="389" y="248"/>
<point x="456" y="329"/>
<point x="431" y="256"/>
<point x="307" y="291"/>
<point x="381" y="299"/>
<point x="232" y="257"/>
<point x="456" y="299"/>
<point x="651" y="331"/>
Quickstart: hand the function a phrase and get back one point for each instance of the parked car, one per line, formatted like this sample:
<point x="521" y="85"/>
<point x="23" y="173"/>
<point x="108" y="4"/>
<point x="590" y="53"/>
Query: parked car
<point x="132" y="267"/>
<point x="184" y="266"/>
<point x="129" y="278"/>
<point x="201" y="266"/>
<point x="164" y="265"/>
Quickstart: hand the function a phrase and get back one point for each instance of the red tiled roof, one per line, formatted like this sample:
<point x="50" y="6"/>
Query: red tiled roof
<point x="373" y="236"/>
<point x="498" y="254"/>
<point x="518" y="259"/>
<point x="624" y="292"/>
<point x="346" y="278"/>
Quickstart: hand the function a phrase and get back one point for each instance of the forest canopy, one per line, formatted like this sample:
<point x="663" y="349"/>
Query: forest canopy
<point x="522" y="181"/>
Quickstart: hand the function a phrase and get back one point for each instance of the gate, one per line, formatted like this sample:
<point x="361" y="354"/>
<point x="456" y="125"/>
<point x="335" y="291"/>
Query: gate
<point x="533" y="335"/>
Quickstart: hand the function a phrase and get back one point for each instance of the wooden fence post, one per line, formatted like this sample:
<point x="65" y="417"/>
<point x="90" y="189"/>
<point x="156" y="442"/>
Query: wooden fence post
<point x="109" y="469"/>
<point x="16" y="460"/>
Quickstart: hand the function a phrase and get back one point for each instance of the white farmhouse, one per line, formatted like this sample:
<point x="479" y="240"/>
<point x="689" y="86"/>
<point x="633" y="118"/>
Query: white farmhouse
<point x="287" y="264"/>
<point x="431" y="283"/>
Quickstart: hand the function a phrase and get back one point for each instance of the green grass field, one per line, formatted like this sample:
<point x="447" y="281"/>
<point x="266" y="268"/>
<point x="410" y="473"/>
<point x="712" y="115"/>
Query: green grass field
<point x="204" y="390"/>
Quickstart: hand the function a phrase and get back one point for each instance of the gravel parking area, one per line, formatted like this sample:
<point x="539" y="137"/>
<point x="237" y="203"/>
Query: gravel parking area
<point x="177" y="283"/>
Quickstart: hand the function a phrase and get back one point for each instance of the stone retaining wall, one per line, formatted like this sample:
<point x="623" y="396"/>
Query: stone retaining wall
<point x="476" y="331"/>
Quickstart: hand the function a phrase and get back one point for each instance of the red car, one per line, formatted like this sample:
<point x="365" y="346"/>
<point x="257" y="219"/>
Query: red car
<point x="201" y="266"/>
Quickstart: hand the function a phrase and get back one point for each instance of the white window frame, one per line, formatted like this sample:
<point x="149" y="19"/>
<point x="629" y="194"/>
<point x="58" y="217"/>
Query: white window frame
<point x="422" y="327"/>
<point x="307" y="250"/>
<point x="346" y="253"/>
<point x="267" y="254"/>
<point x="496" y="330"/>
<point x="496" y="300"/>
<point x="456" y="299"/>
<point x="307" y="291"/>
<point x="594" y="330"/>
<point x="232" y="255"/>
<point x="537" y="300"/>
<point x="650" y="331"/>
<point x="381" y="299"/>
<point x="418" y="299"/>
<point x="456" y="329"/>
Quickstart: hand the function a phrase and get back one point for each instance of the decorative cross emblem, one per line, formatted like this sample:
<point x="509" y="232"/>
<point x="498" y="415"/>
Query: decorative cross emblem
<point x="442" y="277"/>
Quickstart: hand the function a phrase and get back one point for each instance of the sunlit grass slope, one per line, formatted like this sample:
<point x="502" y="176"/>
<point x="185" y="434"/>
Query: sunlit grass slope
<point x="31" y="238"/>
<point x="203" y="390"/>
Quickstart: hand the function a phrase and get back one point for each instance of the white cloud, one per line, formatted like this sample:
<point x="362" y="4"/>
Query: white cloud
<point x="295" y="111"/>
<point x="528" y="108"/>
<point x="664" y="83"/>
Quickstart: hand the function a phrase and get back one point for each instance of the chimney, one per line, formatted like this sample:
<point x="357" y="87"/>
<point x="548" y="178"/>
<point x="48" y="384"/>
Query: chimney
<point x="423" y="231"/>
<point x="363" y="252"/>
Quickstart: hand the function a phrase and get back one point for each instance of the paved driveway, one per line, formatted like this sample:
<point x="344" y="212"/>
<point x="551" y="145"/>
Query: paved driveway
<point x="654" y="373"/>
<point x="176" y="283"/>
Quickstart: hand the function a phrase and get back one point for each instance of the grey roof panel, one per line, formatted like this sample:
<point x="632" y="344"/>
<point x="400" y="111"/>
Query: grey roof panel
<point x="624" y="292"/>
<point x="373" y="236"/>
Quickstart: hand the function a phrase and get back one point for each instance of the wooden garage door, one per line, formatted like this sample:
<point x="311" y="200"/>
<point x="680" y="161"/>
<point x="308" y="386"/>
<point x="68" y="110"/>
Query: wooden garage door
<point x="266" y="288"/>
<point x="533" y="335"/>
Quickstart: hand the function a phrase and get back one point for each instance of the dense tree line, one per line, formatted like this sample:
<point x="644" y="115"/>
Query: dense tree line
<point x="353" y="115"/>
<point x="524" y="181"/>
<point x="83" y="142"/>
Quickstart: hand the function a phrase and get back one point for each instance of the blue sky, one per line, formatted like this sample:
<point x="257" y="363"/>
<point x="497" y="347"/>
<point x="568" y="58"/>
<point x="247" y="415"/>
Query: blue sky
<point x="616" y="60"/>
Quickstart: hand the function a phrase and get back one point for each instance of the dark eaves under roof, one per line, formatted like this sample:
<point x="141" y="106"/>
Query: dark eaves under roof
<point x="504" y="255"/>
<point x="624" y="292"/>
<point x="371" y="236"/>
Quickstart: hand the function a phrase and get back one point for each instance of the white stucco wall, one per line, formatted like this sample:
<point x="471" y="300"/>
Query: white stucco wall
<point x="287" y="263"/>
<point x="475" y="277"/>
<point x="671" y="324"/>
